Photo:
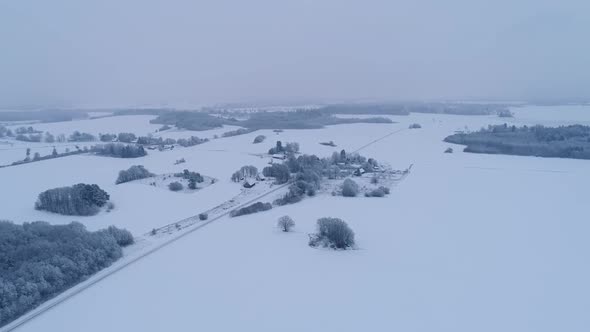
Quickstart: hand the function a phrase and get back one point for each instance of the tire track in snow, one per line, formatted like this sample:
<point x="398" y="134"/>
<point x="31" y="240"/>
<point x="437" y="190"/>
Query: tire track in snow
<point x="378" y="139"/>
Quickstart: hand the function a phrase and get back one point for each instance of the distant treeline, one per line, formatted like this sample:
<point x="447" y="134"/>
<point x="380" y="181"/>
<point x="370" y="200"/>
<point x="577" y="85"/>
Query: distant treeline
<point x="261" y="120"/>
<point x="43" y="116"/>
<point x="190" y="120"/>
<point x="119" y="150"/>
<point x="39" y="261"/>
<point x="414" y="107"/>
<point x="301" y="120"/>
<point x="560" y="142"/>
<point x="141" y="111"/>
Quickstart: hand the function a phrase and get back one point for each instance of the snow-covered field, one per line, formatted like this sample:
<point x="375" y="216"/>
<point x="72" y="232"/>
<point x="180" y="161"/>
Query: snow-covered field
<point x="466" y="242"/>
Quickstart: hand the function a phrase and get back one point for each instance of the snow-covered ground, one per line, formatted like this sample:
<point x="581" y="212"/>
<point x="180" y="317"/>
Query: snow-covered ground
<point x="467" y="242"/>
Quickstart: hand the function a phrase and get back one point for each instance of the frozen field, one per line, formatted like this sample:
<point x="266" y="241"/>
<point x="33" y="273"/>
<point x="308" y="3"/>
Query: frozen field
<point x="467" y="242"/>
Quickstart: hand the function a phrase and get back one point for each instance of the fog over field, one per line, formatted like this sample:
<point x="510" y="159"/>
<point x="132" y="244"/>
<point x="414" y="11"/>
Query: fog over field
<point x="294" y="166"/>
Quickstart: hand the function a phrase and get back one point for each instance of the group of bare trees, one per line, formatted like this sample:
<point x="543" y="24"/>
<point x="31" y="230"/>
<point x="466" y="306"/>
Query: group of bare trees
<point x="244" y="172"/>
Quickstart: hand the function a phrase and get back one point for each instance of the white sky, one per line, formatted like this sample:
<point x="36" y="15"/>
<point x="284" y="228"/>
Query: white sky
<point x="140" y="52"/>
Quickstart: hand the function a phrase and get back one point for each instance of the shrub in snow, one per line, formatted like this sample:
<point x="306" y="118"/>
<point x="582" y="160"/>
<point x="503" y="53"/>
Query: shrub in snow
<point x="415" y="126"/>
<point x="333" y="233"/>
<point x="175" y="186"/>
<point x="379" y="192"/>
<point x="192" y="141"/>
<point x="349" y="188"/>
<point x="285" y="223"/>
<point x="122" y="236"/>
<point x="135" y="172"/>
<point x="256" y="207"/>
<point x="39" y="260"/>
<point x="79" y="200"/>
<point x="449" y="150"/>
<point x="203" y="216"/>
<point x="259" y="139"/>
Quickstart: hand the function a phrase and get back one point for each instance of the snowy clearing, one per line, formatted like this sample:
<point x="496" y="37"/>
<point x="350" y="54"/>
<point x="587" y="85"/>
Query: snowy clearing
<point x="467" y="242"/>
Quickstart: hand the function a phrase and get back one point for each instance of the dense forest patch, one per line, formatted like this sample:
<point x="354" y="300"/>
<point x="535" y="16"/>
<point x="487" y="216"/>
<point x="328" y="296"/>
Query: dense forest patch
<point x="39" y="261"/>
<point x="559" y="142"/>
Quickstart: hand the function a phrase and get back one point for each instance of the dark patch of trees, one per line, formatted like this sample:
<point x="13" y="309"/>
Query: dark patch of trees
<point x="135" y="172"/>
<point x="5" y="132"/>
<point x="559" y="142"/>
<point x="126" y="137"/>
<point x="119" y="150"/>
<point x="39" y="261"/>
<point x="78" y="200"/>
<point x="278" y="171"/>
<point x="190" y="120"/>
<point x="288" y="148"/>
<point x="43" y="115"/>
<point x="505" y="114"/>
<point x="256" y="207"/>
<point x="240" y="131"/>
<point x="49" y="138"/>
<point x="107" y="137"/>
<point x="77" y="136"/>
<point x="28" y="138"/>
<point x="332" y="233"/>
<point x="405" y="108"/>
<point x="191" y="141"/>
<point x="27" y="130"/>
<point x="330" y="143"/>
<point x="122" y="236"/>
<point x="192" y="177"/>
<point x="378" y="192"/>
<point x="175" y="186"/>
<point x="150" y="140"/>
<point x="141" y="111"/>
<point x="301" y="119"/>
<point x="244" y="172"/>
<point x="257" y="139"/>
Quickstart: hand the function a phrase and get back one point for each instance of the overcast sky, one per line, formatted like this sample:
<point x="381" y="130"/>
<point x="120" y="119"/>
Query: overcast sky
<point x="130" y="53"/>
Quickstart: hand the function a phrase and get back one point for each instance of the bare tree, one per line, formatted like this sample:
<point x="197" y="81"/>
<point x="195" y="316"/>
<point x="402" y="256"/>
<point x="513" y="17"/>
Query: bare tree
<point x="285" y="223"/>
